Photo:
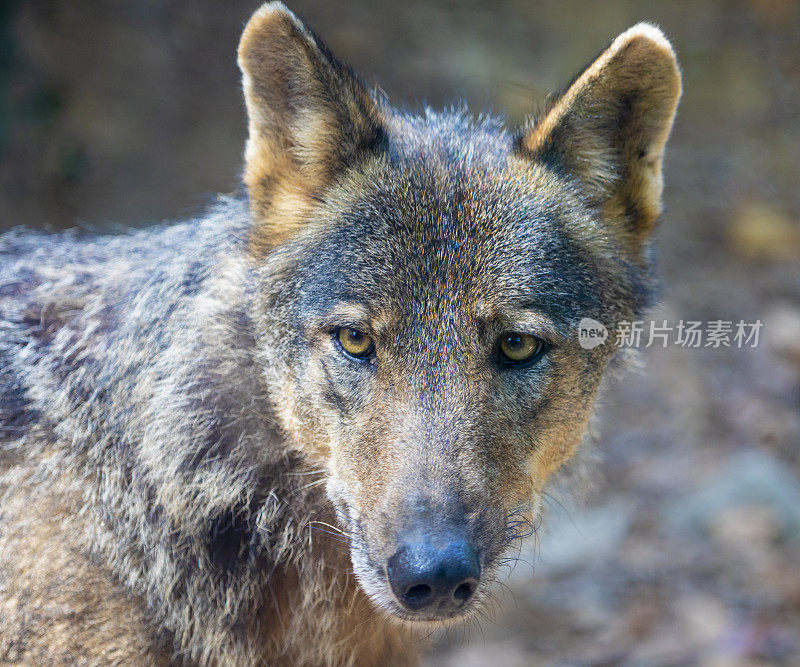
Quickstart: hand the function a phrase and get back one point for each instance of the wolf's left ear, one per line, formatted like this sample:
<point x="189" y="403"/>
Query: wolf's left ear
<point x="608" y="130"/>
<point x="309" y="118"/>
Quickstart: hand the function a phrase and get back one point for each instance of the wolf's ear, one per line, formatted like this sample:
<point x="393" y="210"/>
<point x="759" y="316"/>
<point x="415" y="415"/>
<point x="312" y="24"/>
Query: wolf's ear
<point x="608" y="130"/>
<point x="309" y="118"/>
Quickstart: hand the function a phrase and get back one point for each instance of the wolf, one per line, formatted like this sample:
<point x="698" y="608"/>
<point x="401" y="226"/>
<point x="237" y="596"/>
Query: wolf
<point x="305" y="428"/>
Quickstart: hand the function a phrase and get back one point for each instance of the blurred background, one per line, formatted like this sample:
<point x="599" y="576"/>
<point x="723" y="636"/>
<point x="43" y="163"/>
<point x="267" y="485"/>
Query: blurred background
<point x="687" y="550"/>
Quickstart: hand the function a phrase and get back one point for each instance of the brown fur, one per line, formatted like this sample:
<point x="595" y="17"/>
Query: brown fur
<point x="65" y="608"/>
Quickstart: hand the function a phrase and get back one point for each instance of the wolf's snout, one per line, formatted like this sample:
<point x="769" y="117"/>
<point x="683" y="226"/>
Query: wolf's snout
<point x="424" y="577"/>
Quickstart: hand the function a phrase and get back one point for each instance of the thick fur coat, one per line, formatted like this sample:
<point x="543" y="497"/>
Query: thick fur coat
<point x="192" y="469"/>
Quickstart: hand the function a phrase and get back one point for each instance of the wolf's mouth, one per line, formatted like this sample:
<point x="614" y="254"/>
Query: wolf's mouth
<point x="431" y="571"/>
<point x="432" y="619"/>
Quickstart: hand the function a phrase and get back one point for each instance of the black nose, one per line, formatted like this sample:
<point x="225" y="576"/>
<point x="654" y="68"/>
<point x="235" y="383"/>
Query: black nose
<point x="425" y="577"/>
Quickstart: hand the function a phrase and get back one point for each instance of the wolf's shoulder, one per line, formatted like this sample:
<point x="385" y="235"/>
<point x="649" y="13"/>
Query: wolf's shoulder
<point x="73" y="296"/>
<point x="75" y="257"/>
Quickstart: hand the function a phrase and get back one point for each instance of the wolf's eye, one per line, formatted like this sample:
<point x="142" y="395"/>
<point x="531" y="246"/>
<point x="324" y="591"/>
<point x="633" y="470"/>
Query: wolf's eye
<point x="354" y="342"/>
<point x="518" y="348"/>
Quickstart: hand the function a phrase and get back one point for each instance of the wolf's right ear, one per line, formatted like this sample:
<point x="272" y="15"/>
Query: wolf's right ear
<point x="309" y="118"/>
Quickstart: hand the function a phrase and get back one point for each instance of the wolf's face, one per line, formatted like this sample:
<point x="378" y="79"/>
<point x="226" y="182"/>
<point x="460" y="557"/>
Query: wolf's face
<point x="421" y="281"/>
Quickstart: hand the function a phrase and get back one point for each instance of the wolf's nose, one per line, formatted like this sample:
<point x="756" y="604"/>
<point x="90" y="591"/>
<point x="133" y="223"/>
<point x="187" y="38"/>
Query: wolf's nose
<point x="424" y="577"/>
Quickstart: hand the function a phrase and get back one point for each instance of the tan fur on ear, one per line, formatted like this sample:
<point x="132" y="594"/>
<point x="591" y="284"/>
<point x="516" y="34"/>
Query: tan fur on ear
<point x="309" y="118"/>
<point x="609" y="128"/>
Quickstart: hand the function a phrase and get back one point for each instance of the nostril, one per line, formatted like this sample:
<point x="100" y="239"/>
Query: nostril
<point x="464" y="591"/>
<point x="418" y="593"/>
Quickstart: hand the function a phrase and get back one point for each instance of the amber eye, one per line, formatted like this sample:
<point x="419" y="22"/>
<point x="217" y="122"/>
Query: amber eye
<point x="519" y="348"/>
<point x="354" y="342"/>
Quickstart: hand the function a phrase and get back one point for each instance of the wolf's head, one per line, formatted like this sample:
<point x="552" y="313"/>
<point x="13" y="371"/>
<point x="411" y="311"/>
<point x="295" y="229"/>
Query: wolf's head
<point x="421" y="280"/>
